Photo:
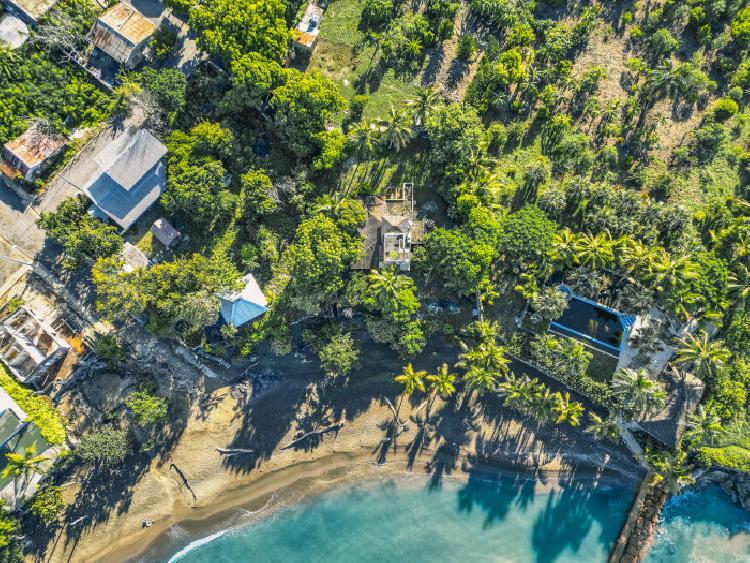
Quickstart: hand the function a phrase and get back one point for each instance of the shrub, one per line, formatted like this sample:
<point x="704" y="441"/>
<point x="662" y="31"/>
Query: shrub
<point x="163" y="43"/>
<point x="180" y="6"/>
<point x="38" y="408"/>
<point x="105" y="445"/>
<point x="732" y="457"/>
<point x="340" y="356"/>
<point x="725" y="108"/>
<point x="48" y="504"/>
<point x="147" y="408"/>
<point x="377" y="12"/>
<point x="467" y="47"/>
<point x="496" y="138"/>
<point x="107" y="348"/>
<point x="526" y="235"/>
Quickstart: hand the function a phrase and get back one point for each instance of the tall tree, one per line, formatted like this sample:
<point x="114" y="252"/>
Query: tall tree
<point x="637" y="391"/>
<point x="701" y="354"/>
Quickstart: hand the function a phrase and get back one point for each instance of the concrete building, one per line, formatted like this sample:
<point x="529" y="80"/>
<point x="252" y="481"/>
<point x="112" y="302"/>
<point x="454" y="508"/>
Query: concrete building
<point x="131" y="177"/>
<point x="28" y="155"/>
<point x="29" y="347"/>
<point x="391" y="230"/>
<point x="305" y="34"/>
<point x="123" y="33"/>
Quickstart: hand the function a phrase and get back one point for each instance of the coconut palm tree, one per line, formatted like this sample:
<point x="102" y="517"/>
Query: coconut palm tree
<point x="388" y="283"/>
<point x="485" y="356"/>
<point x="521" y="393"/>
<point x="563" y="250"/>
<point x="442" y="382"/>
<point x="669" y="274"/>
<point x="543" y="403"/>
<point x="670" y="469"/>
<point x="411" y="380"/>
<point x="396" y="133"/>
<point x="426" y="99"/>
<point x="739" y="286"/>
<point x="647" y="341"/>
<point x="637" y="391"/>
<point x="596" y="251"/>
<point x="363" y="138"/>
<point x="549" y="302"/>
<point x="481" y="380"/>
<point x="704" y="427"/>
<point x="22" y="467"/>
<point x="604" y="428"/>
<point x="636" y="256"/>
<point x="704" y="355"/>
<point x="567" y="410"/>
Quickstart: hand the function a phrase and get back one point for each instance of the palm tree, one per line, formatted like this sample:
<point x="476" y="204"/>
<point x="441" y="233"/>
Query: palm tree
<point x="480" y="380"/>
<point x="411" y="380"/>
<point x="647" y="341"/>
<point x="426" y="99"/>
<point x="563" y="251"/>
<point x="637" y="391"/>
<point x="636" y="256"/>
<point x="486" y="356"/>
<point x="739" y="286"/>
<point x="388" y="282"/>
<point x="670" y="274"/>
<point x="704" y="355"/>
<point x="670" y="468"/>
<point x="396" y="133"/>
<point x="603" y="428"/>
<point x="442" y="382"/>
<point x="523" y="394"/>
<point x="596" y="251"/>
<point x="704" y="427"/>
<point x="567" y="410"/>
<point x="22" y="467"/>
<point x="549" y="302"/>
<point x="362" y="139"/>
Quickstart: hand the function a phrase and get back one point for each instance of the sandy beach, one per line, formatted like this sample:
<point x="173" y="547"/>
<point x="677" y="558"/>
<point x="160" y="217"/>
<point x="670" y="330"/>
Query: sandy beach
<point x="189" y="480"/>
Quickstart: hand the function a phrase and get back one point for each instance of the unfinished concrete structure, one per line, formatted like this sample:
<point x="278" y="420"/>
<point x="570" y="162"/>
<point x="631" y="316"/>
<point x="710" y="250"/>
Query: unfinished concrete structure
<point x="29" y="346"/>
<point x="391" y="230"/>
<point x="28" y="155"/>
<point x="305" y="34"/>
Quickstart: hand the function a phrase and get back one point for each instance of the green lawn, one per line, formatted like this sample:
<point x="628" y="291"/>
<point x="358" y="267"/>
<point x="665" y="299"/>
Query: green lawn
<point x="343" y="56"/>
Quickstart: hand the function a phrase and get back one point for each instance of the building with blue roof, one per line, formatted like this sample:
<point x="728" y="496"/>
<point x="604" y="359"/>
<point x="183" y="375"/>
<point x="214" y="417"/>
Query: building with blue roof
<point x="240" y="307"/>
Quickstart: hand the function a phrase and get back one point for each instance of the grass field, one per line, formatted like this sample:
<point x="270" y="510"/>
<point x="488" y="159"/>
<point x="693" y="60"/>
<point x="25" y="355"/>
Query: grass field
<point x="344" y="56"/>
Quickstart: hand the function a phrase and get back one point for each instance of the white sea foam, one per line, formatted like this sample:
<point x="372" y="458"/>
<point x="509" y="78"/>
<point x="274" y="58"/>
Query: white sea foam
<point x="195" y="545"/>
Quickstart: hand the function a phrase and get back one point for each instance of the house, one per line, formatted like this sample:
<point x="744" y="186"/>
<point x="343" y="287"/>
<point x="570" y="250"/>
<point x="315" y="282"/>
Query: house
<point x="164" y="232"/>
<point x="123" y="33"/>
<point x="133" y="258"/>
<point x="684" y="392"/>
<point x="391" y="230"/>
<point x="29" y="347"/>
<point x="13" y="32"/>
<point x="240" y="307"/>
<point x="305" y="34"/>
<point x="28" y="10"/>
<point x="131" y="176"/>
<point x="27" y="156"/>
<point x="594" y="324"/>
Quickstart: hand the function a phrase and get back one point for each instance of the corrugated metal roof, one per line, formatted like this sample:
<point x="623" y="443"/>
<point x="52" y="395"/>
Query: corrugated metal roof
<point x="120" y="29"/>
<point x="131" y="178"/>
<point x="239" y="307"/>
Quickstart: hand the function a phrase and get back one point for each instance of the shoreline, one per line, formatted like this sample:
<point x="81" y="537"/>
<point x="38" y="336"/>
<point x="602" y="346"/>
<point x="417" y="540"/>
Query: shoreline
<point x="282" y="488"/>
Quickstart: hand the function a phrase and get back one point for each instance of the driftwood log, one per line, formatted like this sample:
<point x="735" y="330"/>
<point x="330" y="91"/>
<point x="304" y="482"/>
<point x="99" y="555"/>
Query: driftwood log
<point x="325" y="429"/>
<point x="184" y="480"/>
<point x="395" y="413"/>
<point x="233" y="451"/>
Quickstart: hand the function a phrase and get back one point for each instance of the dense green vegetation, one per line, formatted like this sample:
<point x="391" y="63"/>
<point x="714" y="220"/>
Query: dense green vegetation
<point x="38" y="408"/>
<point x="628" y="182"/>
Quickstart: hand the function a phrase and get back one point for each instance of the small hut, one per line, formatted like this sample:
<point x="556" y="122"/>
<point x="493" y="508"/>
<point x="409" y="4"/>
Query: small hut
<point x="240" y="307"/>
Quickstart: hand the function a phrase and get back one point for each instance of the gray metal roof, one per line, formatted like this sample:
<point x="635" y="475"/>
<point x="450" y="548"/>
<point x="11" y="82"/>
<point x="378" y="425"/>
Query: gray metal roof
<point x="132" y="177"/>
<point x="128" y="157"/>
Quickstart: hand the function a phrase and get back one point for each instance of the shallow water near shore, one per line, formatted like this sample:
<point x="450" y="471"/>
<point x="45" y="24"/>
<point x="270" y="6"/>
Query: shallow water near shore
<point x="412" y="518"/>
<point x="700" y="525"/>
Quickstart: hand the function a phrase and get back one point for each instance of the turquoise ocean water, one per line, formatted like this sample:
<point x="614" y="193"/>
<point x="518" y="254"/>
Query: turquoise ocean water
<point x="702" y="525"/>
<point x="413" y="519"/>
